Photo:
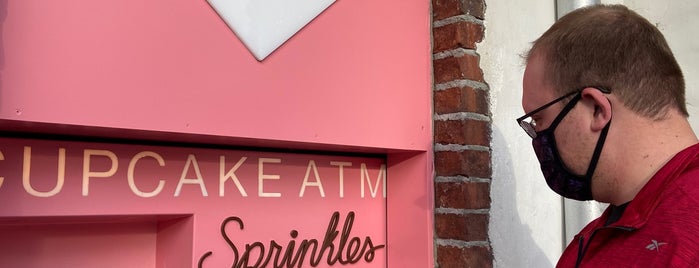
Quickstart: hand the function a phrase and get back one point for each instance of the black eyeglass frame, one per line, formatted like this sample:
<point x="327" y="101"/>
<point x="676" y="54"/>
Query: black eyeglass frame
<point x="529" y="127"/>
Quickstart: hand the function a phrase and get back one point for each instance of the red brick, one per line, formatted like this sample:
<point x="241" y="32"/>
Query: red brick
<point x="468" y="257"/>
<point x="466" y="227"/>
<point x="453" y="68"/>
<point x="467" y="132"/>
<point x="474" y="8"/>
<point x="467" y="163"/>
<point x="462" y="195"/>
<point x="442" y="9"/>
<point x="462" y="34"/>
<point x="466" y="99"/>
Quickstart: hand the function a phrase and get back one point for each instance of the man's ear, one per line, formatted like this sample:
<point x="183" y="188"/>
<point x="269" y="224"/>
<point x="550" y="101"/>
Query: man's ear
<point x="602" y="112"/>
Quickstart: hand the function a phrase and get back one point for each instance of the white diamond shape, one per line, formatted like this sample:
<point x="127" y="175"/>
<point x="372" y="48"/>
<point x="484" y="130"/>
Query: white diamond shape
<point x="264" y="25"/>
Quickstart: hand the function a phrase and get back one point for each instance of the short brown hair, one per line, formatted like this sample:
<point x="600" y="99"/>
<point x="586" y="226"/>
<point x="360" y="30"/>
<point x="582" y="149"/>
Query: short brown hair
<point x="613" y="47"/>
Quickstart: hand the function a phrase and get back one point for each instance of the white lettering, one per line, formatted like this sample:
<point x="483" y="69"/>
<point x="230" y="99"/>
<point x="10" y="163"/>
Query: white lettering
<point x="317" y="183"/>
<point x="224" y="176"/>
<point x="261" y="176"/>
<point x="191" y="160"/>
<point x="104" y="163"/>
<point x="88" y="153"/>
<point x="380" y="177"/>
<point x="132" y="167"/>
<point x="26" y="167"/>
<point x="341" y="165"/>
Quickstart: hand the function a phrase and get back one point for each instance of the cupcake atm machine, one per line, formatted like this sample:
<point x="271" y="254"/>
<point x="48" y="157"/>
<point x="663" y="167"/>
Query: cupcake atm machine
<point x="170" y="133"/>
<point x="91" y="204"/>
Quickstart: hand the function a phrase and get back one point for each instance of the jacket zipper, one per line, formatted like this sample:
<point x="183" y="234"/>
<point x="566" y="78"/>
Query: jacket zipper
<point x="582" y="246"/>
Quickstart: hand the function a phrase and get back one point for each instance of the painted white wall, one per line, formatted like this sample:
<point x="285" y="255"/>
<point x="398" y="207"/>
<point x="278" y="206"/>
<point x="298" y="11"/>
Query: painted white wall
<point x="526" y="227"/>
<point x="678" y="21"/>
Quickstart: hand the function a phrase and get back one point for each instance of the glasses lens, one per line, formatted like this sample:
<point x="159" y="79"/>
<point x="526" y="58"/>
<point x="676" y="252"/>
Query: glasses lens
<point x="528" y="128"/>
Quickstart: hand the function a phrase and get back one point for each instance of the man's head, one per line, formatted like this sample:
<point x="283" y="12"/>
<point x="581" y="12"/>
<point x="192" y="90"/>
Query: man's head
<point x="614" y="47"/>
<point x="595" y="64"/>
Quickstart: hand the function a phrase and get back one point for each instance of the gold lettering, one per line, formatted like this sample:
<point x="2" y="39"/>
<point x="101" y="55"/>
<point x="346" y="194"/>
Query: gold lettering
<point x="261" y="177"/>
<point x="191" y="161"/>
<point x="341" y="165"/>
<point x="224" y="176"/>
<point x="26" y="167"/>
<point x="87" y="155"/>
<point x="132" y="167"/>
<point x="317" y="183"/>
<point x="380" y="177"/>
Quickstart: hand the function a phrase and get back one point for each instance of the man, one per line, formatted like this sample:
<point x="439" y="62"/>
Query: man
<point x="605" y="106"/>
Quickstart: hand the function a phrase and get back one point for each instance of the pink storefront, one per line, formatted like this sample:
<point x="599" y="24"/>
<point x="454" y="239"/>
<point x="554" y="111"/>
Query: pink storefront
<point x="162" y="133"/>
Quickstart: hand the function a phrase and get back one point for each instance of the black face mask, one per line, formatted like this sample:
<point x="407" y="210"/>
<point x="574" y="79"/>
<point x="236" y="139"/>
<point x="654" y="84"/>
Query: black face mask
<point x="558" y="177"/>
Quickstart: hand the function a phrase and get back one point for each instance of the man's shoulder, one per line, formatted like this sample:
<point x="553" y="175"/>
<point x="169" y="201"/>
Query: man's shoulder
<point x="686" y="186"/>
<point x="670" y="236"/>
<point x="677" y="210"/>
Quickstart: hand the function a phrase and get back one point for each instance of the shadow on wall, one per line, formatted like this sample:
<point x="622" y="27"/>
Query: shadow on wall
<point x="512" y="240"/>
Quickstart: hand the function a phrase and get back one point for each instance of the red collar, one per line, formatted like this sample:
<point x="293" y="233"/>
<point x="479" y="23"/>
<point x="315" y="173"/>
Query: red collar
<point x="645" y="202"/>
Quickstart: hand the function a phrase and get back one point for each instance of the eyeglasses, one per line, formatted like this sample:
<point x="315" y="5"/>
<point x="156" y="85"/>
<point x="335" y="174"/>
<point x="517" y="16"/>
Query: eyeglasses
<point x="530" y="126"/>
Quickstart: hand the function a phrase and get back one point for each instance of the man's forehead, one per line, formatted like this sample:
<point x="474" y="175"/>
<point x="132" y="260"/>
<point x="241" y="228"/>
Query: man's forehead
<point x="536" y="90"/>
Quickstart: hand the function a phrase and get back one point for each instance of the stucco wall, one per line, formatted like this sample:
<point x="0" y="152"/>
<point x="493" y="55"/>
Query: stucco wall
<point x="526" y="228"/>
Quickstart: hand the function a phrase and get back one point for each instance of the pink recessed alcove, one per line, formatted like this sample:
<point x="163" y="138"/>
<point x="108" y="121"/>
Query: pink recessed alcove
<point x="96" y="241"/>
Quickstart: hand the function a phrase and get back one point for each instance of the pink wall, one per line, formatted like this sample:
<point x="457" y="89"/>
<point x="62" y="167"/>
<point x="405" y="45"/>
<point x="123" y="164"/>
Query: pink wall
<point x="358" y="75"/>
<point x="75" y="244"/>
<point x="53" y="185"/>
<point x="358" y="78"/>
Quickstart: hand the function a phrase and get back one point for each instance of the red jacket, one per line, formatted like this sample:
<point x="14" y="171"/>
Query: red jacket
<point x="659" y="228"/>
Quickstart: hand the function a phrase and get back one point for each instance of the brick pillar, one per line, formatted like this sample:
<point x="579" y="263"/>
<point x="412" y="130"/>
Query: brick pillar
<point x="461" y="136"/>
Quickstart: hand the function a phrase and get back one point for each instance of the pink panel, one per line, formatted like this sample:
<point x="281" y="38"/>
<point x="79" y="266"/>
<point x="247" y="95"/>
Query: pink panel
<point x="409" y="211"/>
<point x="45" y="244"/>
<point x="355" y="76"/>
<point x="356" y="79"/>
<point x="175" y="238"/>
<point x="245" y="197"/>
